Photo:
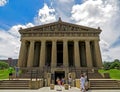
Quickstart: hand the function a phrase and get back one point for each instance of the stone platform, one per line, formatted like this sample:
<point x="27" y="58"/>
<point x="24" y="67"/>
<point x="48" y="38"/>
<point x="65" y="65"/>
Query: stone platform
<point x="47" y="89"/>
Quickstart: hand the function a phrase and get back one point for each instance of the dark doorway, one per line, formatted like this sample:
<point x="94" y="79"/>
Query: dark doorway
<point x="59" y="74"/>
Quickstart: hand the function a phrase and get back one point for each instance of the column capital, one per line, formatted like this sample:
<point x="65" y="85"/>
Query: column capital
<point x="97" y="40"/>
<point x="87" y="40"/>
<point x="23" y="40"/>
<point x="54" y="40"/>
<point x="65" y="41"/>
<point x="32" y="41"/>
<point x="76" y="40"/>
<point x="43" y="40"/>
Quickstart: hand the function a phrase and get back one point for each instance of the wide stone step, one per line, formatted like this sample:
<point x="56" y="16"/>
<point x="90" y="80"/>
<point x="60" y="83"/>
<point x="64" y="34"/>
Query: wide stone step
<point x="104" y="84"/>
<point x="14" y="84"/>
<point x="104" y="87"/>
<point x="14" y="87"/>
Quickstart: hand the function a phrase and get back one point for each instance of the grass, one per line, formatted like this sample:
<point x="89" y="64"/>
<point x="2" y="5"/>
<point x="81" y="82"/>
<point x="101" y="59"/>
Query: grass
<point x="4" y="74"/>
<point x="114" y="73"/>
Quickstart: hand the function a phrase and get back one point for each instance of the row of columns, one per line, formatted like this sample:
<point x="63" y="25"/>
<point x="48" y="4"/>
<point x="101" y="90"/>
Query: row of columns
<point x="77" y="62"/>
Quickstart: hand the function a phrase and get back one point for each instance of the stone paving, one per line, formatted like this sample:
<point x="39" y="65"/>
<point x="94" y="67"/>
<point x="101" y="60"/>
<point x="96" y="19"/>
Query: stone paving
<point x="47" y="89"/>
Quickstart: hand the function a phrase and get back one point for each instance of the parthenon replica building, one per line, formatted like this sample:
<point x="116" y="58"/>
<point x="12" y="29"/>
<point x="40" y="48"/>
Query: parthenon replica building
<point x="60" y="48"/>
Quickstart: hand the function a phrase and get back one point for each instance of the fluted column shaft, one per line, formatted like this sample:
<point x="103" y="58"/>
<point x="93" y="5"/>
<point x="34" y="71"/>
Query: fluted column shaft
<point x="31" y="55"/>
<point x="21" y="60"/>
<point x="42" y="54"/>
<point x="54" y="54"/>
<point x="76" y="54"/>
<point x="98" y="54"/>
<point x="88" y="54"/>
<point x="65" y="54"/>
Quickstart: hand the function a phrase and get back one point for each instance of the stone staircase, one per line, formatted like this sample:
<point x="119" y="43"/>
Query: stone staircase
<point x="104" y="84"/>
<point x="14" y="84"/>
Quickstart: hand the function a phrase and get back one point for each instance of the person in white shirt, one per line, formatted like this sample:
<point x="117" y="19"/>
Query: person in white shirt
<point x="82" y="80"/>
<point x="70" y="81"/>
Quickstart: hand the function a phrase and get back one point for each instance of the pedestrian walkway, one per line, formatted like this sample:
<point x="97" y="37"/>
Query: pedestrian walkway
<point x="47" y="89"/>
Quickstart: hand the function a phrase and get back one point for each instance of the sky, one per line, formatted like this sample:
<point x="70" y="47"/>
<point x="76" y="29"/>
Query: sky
<point x="28" y="13"/>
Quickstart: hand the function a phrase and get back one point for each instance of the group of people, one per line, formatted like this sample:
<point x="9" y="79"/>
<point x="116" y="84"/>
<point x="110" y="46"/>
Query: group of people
<point x="84" y="82"/>
<point x="60" y="81"/>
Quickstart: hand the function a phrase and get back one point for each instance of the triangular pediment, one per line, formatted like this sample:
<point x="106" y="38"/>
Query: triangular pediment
<point x="61" y="26"/>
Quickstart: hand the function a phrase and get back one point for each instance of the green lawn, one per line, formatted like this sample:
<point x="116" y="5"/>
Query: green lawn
<point x="4" y="74"/>
<point x="114" y="73"/>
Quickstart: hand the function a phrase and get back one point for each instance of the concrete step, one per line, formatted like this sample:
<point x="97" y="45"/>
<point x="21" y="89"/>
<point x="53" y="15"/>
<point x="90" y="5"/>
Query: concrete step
<point x="14" y="84"/>
<point x="104" y="87"/>
<point x="104" y="84"/>
<point x="14" y="88"/>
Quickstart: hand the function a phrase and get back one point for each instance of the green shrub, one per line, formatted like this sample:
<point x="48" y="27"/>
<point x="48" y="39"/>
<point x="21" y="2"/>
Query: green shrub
<point x="3" y="65"/>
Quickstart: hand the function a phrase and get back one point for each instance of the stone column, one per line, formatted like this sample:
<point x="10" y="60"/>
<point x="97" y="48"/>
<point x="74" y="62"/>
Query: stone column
<point x="31" y="54"/>
<point x="88" y="54"/>
<point x="42" y="54"/>
<point x="97" y="54"/>
<point x="65" y="53"/>
<point x="22" y="54"/>
<point x="76" y="54"/>
<point x="54" y="54"/>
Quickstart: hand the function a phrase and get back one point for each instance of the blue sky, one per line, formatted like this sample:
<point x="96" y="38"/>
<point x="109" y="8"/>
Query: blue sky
<point x="19" y="12"/>
<point x="28" y="13"/>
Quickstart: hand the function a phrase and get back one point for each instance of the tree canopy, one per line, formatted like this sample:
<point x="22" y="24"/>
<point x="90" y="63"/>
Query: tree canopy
<point x="111" y="65"/>
<point x="3" y="65"/>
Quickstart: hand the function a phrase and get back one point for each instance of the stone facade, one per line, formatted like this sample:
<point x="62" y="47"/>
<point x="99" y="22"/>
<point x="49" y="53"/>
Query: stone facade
<point x="60" y="47"/>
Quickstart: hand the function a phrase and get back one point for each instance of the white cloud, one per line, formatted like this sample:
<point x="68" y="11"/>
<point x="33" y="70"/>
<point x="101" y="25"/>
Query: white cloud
<point x="103" y="13"/>
<point x="63" y="8"/>
<point x="3" y="2"/>
<point x="65" y="1"/>
<point x="10" y="41"/>
<point x="45" y="15"/>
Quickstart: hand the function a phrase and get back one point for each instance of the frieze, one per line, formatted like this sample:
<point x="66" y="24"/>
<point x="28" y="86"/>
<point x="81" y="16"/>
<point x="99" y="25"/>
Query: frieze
<point x="60" y="34"/>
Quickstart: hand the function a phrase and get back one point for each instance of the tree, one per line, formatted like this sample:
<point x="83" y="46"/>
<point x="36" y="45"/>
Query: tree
<point x="106" y="65"/>
<point x="3" y="65"/>
<point x="115" y="64"/>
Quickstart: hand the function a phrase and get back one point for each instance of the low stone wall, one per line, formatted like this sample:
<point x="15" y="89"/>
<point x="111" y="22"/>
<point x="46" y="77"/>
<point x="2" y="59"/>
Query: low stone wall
<point x="77" y="82"/>
<point x="119" y="83"/>
<point x="66" y="86"/>
<point x="33" y="84"/>
<point x="52" y="86"/>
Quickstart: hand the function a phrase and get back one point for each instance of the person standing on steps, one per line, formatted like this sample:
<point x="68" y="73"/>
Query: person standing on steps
<point x="17" y="72"/>
<point x="10" y="70"/>
<point x="70" y="81"/>
<point x="82" y="82"/>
